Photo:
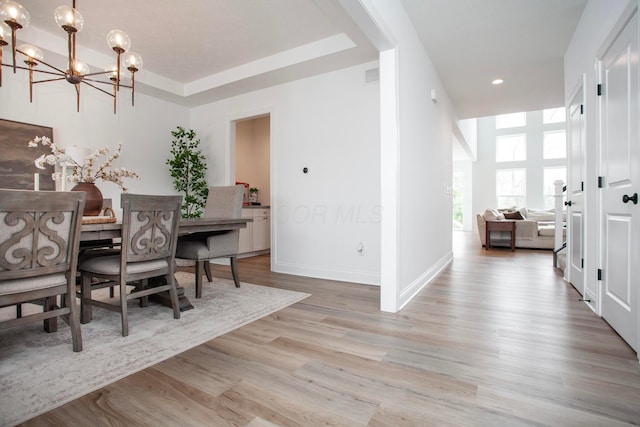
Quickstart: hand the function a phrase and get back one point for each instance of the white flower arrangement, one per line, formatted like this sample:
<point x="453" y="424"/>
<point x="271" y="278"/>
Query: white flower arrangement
<point x="90" y="170"/>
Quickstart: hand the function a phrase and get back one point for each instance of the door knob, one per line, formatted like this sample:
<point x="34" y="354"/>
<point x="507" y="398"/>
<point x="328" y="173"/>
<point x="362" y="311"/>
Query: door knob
<point x="567" y="203"/>
<point x="627" y="199"/>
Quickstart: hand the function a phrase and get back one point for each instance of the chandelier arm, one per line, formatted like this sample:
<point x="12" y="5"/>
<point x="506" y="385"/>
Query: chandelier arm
<point x="118" y="72"/>
<point x="35" y="70"/>
<point x="13" y="47"/>
<point x="104" y="83"/>
<point x="72" y="52"/>
<point x="77" y="85"/>
<point x="40" y="61"/>
<point x="96" y="87"/>
<point x="31" y="84"/>
<point x="48" y="80"/>
<point x="97" y="73"/>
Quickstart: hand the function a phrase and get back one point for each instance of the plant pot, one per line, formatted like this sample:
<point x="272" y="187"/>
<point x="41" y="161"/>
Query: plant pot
<point x="93" y="203"/>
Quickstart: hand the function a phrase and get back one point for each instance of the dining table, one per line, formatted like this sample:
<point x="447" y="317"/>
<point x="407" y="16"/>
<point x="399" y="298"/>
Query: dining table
<point x="92" y="231"/>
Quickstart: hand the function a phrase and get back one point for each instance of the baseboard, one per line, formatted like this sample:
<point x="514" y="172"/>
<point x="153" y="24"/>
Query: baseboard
<point x="352" y="276"/>
<point x="424" y="280"/>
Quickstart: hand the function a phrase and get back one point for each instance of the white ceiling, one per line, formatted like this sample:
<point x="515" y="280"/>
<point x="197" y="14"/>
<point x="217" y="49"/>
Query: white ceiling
<point x="198" y="51"/>
<point x="473" y="42"/>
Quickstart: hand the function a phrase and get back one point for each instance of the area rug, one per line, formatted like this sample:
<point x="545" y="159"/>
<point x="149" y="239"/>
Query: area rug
<point x="39" y="371"/>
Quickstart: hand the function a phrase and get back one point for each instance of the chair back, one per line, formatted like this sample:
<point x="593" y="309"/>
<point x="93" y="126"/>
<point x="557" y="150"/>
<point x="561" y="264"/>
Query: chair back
<point x="149" y="227"/>
<point x="39" y="232"/>
<point x="224" y="202"/>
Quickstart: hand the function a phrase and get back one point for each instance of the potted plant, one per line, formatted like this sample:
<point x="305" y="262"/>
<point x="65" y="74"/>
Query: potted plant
<point x="253" y="194"/>
<point x="187" y="167"/>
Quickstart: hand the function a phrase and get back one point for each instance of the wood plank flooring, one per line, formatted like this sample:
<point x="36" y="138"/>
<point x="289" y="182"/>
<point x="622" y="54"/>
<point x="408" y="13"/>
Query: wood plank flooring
<point x="497" y="339"/>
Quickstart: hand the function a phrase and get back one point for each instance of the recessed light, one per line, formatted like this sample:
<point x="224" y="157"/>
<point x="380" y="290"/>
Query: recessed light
<point x="497" y="82"/>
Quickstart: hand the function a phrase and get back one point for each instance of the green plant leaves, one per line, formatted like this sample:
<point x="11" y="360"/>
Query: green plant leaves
<point x="188" y="168"/>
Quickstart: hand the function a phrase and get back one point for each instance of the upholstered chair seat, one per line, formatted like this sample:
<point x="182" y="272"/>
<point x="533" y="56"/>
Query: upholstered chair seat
<point x="222" y="202"/>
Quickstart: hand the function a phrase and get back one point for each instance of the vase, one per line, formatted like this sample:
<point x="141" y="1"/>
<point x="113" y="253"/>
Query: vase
<point x="93" y="202"/>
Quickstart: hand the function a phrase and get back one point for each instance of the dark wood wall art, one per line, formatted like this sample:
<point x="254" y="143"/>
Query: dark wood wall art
<point x="17" y="166"/>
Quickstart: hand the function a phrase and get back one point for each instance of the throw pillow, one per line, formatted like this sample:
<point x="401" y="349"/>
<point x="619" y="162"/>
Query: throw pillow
<point x="513" y="215"/>
<point x="492" y="215"/>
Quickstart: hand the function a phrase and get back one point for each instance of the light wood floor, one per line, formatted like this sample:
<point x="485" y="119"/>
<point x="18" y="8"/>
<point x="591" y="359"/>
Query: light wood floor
<point x="497" y="339"/>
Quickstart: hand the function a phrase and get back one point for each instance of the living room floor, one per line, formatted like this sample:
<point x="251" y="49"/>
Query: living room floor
<point x="498" y="338"/>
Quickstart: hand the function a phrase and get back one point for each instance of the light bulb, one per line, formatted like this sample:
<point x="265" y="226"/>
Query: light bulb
<point x="132" y="61"/>
<point x="32" y="53"/>
<point x="81" y="68"/>
<point x="13" y="13"/>
<point x="68" y="18"/>
<point x="112" y="71"/>
<point x="118" y="41"/>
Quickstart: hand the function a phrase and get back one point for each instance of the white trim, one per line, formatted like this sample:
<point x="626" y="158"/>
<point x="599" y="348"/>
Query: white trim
<point x="353" y="276"/>
<point x="424" y="280"/>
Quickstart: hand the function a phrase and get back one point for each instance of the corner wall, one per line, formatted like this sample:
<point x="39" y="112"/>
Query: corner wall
<point x="418" y="134"/>
<point x="330" y="125"/>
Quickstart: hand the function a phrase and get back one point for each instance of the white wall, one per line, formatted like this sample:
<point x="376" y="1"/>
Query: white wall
<point x="329" y="124"/>
<point x="418" y="137"/>
<point x="143" y="130"/>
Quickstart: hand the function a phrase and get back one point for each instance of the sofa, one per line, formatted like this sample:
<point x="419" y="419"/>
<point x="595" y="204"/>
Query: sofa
<point x="535" y="228"/>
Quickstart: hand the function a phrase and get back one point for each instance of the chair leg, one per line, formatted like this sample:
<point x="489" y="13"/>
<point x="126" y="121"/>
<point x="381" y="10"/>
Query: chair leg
<point x="207" y="270"/>
<point x="144" y="301"/>
<point x="234" y="271"/>
<point x="173" y="293"/>
<point x="85" y="299"/>
<point x="199" y="267"/>
<point x="123" y="309"/>
<point x="50" y="324"/>
<point x="74" y="321"/>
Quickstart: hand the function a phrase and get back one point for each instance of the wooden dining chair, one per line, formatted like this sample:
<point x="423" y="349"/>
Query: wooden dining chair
<point x="222" y="202"/>
<point x="39" y="236"/>
<point x="148" y="247"/>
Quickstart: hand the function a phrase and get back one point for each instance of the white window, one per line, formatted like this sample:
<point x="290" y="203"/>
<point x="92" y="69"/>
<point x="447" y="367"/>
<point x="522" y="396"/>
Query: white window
<point x="511" y="187"/>
<point x="555" y="144"/>
<point x="511" y="148"/>
<point x="552" y="175"/>
<point x="554" y="115"/>
<point x="511" y="120"/>
<point x="458" y="200"/>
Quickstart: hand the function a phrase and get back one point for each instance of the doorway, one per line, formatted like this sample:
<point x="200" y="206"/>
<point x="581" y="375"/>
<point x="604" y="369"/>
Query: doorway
<point x="253" y="159"/>
<point x="251" y="142"/>
<point x="576" y="194"/>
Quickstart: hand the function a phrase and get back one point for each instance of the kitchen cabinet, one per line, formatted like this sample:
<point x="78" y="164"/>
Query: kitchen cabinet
<point x="256" y="238"/>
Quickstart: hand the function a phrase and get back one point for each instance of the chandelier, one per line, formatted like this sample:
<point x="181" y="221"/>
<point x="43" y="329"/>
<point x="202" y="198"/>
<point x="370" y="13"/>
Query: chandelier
<point x="14" y="17"/>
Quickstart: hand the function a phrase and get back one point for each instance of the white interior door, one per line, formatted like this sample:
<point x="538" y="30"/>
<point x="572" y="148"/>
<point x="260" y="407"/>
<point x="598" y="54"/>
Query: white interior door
<point x="620" y="166"/>
<point x="575" y="191"/>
